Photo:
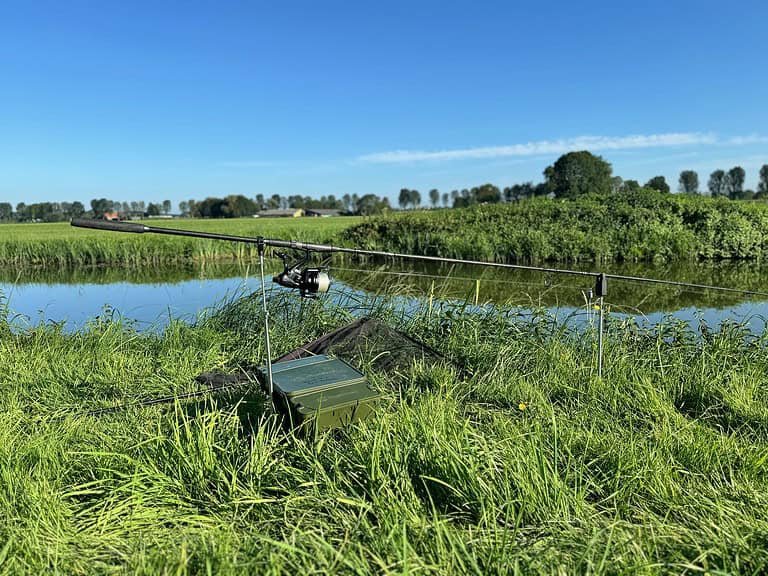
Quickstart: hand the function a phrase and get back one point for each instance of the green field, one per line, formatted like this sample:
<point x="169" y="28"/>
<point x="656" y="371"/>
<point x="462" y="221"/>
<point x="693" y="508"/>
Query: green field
<point x="523" y="462"/>
<point x="642" y="226"/>
<point x="60" y="244"/>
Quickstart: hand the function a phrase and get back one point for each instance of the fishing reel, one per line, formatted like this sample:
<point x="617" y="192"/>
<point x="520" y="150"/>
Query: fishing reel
<point x="308" y="281"/>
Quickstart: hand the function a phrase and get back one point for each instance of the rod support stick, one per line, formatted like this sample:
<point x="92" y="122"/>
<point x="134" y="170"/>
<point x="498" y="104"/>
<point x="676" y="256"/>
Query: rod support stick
<point x="270" y="387"/>
<point x="601" y="290"/>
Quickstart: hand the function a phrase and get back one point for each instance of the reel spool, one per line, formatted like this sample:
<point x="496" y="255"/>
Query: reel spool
<point x="310" y="282"/>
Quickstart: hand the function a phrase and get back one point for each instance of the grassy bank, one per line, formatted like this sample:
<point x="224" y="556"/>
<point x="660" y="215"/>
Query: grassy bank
<point x="61" y="245"/>
<point x="641" y="226"/>
<point x="523" y="463"/>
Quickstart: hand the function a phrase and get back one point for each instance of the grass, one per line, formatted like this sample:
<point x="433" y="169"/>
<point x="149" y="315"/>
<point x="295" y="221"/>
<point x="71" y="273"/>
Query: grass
<point x="641" y="226"/>
<point x="59" y="244"/>
<point x="523" y="462"/>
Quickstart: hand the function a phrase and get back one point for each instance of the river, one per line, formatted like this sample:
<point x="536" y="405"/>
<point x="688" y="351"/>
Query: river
<point x="150" y="297"/>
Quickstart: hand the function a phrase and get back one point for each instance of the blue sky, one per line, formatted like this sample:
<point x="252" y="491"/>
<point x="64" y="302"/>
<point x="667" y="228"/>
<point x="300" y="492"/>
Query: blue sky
<point x="154" y="100"/>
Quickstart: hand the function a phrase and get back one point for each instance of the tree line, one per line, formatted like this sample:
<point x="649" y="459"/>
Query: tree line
<point x="572" y="175"/>
<point x="63" y="211"/>
<point x="578" y="173"/>
<point x="231" y="206"/>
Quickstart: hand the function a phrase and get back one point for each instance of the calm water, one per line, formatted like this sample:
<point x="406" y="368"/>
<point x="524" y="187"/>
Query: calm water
<point x="151" y="297"/>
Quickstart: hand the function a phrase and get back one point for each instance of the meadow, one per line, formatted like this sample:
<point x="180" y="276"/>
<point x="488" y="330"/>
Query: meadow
<point x="642" y="226"/>
<point x="514" y="459"/>
<point x="61" y="245"/>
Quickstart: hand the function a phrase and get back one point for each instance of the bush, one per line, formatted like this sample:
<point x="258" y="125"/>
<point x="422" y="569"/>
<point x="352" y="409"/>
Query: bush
<point x="642" y="225"/>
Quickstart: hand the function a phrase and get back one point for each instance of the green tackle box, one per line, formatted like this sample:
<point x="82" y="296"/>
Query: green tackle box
<point x="325" y="391"/>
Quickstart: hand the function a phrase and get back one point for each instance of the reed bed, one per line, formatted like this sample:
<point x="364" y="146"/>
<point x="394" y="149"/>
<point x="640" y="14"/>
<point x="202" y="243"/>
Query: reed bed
<point x="60" y="245"/>
<point x="518" y="460"/>
<point x="642" y="226"/>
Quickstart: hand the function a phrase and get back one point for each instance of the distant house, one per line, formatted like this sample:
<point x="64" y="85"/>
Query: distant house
<point x="322" y="212"/>
<point x="289" y="213"/>
<point x="111" y="216"/>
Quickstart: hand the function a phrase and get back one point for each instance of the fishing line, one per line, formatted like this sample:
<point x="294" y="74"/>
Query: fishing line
<point x="691" y="285"/>
<point x="447" y="277"/>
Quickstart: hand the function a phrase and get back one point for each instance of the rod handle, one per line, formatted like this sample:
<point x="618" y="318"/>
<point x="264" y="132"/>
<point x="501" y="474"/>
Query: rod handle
<point x="110" y="225"/>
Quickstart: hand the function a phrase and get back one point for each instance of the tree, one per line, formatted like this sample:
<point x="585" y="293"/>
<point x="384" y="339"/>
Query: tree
<point x="658" y="183"/>
<point x="486" y="194"/>
<point x="153" y="209"/>
<point x="630" y="186"/>
<point x="100" y="206"/>
<point x="184" y="208"/>
<point x="415" y="198"/>
<point x="370" y="204"/>
<point x="577" y="173"/>
<point x="734" y="182"/>
<point x="404" y="198"/>
<point x="434" y="197"/>
<point x="716" y="184"/>
<point x="238" y="206"/>
<point x="689" y="182"/>
<point x="762" y="185"/>
<point x="446" y="198"/>
<point x="77" y="209"/>
<point x="518" y="192"/>
<point x="166" y="206"/>
<point x="210" y="208"/>
<point x="6" y="210"/>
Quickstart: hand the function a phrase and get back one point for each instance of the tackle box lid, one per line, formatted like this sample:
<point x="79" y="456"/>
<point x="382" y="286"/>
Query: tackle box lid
<point x="312" y="374"/>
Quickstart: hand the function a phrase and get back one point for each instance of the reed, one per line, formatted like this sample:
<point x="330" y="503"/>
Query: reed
<point x="59" y="245"/>
<point x="644" y="226"/>
<point x="522" y="462"/>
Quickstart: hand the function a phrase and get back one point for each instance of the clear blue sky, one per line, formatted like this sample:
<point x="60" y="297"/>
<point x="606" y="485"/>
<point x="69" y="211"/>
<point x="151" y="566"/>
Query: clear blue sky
<point x="153" y="100"/>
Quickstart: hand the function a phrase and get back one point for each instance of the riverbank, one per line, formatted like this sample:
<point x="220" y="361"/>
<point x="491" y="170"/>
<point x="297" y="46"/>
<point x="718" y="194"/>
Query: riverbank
<point x="642" y="226"/>
<point x="523" y="462"/>
<point x="61" y="245"/>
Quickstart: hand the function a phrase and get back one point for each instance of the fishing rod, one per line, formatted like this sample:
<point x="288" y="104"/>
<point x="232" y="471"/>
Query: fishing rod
<point x="313" y="281"/>
<point x="312" y="247"/>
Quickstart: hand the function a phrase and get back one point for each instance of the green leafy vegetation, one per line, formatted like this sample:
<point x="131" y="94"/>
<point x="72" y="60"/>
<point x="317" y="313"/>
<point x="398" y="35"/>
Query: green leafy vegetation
<point x="521" y="461"/>
<point x="643" y="225"/>
<point x="60" y="245"/>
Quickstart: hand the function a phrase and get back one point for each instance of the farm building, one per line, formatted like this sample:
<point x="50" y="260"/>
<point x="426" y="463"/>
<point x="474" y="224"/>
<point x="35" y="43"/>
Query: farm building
<point x="322" y="212"/>
<point x="289" y="213"/>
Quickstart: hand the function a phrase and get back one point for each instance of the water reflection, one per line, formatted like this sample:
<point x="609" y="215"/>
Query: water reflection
<point x="153" y="295"/>
<point x="530" y="288"/>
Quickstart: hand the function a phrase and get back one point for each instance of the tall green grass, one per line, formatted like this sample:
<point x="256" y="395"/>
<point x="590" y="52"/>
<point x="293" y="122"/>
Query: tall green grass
<point x="520" y="461"/>
<point x="60" y="245"/>
<point x="639" y="226"/>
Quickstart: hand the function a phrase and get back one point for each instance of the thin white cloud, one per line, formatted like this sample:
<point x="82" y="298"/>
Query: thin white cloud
<point x="544" y="147"/>
<point x="746" y="140"/>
